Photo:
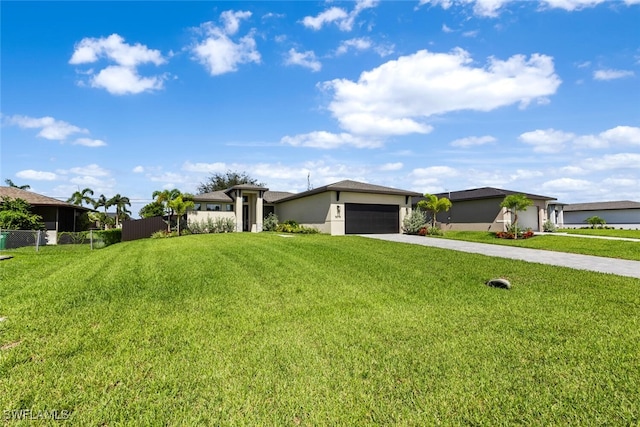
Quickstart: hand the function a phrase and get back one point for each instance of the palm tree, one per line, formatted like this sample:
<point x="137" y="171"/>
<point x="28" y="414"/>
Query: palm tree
<point x="21" y="187"/>
<point x="121" y="203"/>
<point x="105" y="203"/>
<point x="80" y="197"/>
<point x="165" y="197"/>
<point x="515" y="203"/>
<point x="180" y="207"/>
<point x="434" y="205"/>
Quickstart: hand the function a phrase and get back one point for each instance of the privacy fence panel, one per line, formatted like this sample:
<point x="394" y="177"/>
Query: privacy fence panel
<point x="142" y="228"/>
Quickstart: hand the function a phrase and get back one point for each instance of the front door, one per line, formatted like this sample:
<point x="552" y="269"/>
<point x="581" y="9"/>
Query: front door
<point x="245" y="218"/>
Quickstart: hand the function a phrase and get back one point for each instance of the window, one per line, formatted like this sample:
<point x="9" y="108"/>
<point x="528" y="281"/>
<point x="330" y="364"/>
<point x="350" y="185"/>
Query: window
<point x="229" y="207"/>
<point x="197" y="206"/>
<point x="214" y="207"/>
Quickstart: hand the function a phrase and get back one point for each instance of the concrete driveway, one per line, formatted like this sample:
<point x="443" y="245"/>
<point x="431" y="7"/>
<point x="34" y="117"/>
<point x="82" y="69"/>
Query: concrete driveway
<point x="616" y="266"/>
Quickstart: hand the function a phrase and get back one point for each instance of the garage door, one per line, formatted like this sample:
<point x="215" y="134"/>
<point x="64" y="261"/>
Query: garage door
<point x="529" y="218"/>
<point x="371" y="219"/>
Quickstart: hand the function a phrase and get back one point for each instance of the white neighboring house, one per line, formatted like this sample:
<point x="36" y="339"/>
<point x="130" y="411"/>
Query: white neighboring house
<point x="618" y="214"/>
<point x="345" y="207"/>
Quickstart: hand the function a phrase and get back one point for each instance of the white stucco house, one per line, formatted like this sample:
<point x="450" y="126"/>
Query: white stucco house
<point x="345" y="207"/>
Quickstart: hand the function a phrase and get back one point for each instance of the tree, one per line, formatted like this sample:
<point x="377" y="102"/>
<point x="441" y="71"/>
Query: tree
<point x="121" y="203"/>
<point x="101" y="219"/>
<point x="80" y="197"/>
<point x="166" y="196"/>
<point x="434" y="205"/>
<point x="180" y="207"/>
<point x="21" y="187"/>
<point x="101" y="202"/>
<point x="15" y="214"/>
<point x="222" y="181"/>
<point x="515" y="203"/>
<point x="152" y="209"/>
<point x="594" y="221"/>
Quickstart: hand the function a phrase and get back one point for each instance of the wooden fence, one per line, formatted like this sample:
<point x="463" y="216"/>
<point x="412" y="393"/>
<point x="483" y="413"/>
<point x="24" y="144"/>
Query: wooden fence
<point x="142" y="228"/>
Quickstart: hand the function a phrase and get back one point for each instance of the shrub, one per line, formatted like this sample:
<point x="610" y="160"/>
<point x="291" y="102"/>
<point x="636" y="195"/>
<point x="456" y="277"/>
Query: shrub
<point x="161" y="234"/>
<point x="211" y="225"/>
<point x="414" y="222"/>
<point x="434" y="231"/>
<point x="72" y="238"/>
<point x="291" y="226"/>
<point x="109" y="237"/>
<point x="270" y="223"/>
<point x="549" y="227"/>
<point x="511" y="234"/>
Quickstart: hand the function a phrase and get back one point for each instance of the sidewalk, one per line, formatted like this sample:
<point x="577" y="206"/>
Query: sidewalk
<point x="587" y="236"/>
<point x="616" y="266"/>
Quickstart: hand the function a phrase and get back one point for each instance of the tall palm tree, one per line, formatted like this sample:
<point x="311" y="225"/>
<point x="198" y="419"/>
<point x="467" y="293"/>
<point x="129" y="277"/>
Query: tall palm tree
<point x="434" y="205"/>
<point x="180" y="207"/>
<point x="121" y="203"/>
<point x="12" y="184"/>
<point x="80" y="197"/>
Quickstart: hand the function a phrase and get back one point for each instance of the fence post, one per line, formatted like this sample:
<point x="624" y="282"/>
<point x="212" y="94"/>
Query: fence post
<point x="38" y="241"/>
<point x="91" y="238"/>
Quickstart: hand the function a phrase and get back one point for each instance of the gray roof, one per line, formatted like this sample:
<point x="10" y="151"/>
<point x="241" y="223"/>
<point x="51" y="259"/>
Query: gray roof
<point x="215" y="196"/>
<point x="602" y="206"/>
<point x="35" y="199"/>
<point x="483" y="193"/>
<point x="274" y="196"/>
<point x="247" y="187"/>
<point x="355" y="187"/>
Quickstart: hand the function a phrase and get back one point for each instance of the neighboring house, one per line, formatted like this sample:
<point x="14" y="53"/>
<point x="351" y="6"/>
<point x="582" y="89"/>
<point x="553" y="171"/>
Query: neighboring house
<point x="479" y="209"/>
<point x="57" y="216"/>
<point x="345" y="207"/>
<point x="620" y="214"/>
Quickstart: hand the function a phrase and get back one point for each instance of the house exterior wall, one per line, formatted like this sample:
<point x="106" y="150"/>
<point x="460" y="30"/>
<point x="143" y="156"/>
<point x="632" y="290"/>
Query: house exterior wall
<point x="326" y="211"/>
<point x="488" y="215"/>
<point x="310" y="211"/>
<point x="625" y="218"/>
<point x="198" y="216"/>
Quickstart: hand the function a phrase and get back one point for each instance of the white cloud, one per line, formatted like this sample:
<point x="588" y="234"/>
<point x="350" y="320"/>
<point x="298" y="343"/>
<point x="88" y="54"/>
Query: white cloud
<point x="525" y="174"/>
<point x="119" y="80"/>
<point x="446" y="29"/>
<point x="613" y="161"/>
<point x="612" y="74"/>
<point x="328" y="140"/>
<point x="361" y="43"/>
<point x="328" y="16"/>
<point x="232" y="19"/>
<point x="571" y="5"/>
<point x="87" y="181"/>
<point x="339" y="16"/>
<point x="484" y="8"/>
<point x="397" y="96"/>
<point x="218" y="52"/>
<point x="546" y="141"/>
<point x="88" y="142"/>
<point x="37" y="175"/>
<point x="622" y="182"/>
<point x="304" y="59"/>
<point x="622" y="135"/>
<point x="472" y="141"/>
<point x="436" y="172"/>
<point x="205" y="167"/>
<point x="90" y="170"/>
<point x="122" y="78"/>
<point x="567" y="184"/>
<point x="138" y="169"/>
<point x="50" y="128"/>
<point x="391" y="166"/>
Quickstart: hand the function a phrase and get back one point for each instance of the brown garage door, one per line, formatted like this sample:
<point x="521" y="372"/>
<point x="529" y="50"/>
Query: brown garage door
<point x="371" y="219"/>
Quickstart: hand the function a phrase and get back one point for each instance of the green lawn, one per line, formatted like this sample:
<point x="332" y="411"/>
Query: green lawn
<point x="599" y="247"/>
<point x="256" y="329"/>
<point x="631" y="234"/>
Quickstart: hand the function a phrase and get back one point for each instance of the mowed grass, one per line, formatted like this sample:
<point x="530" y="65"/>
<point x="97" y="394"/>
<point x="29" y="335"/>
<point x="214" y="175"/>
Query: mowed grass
<point x="598" y="247"/>
<point x="257" y="329"/>
<point x="609" y="232"/>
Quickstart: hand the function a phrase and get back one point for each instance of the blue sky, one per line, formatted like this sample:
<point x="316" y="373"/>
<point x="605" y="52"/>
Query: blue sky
<point x="129" y="98"/>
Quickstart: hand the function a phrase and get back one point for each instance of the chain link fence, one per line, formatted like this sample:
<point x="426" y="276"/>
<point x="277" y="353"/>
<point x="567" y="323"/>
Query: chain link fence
<point x="13" y="239"/>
